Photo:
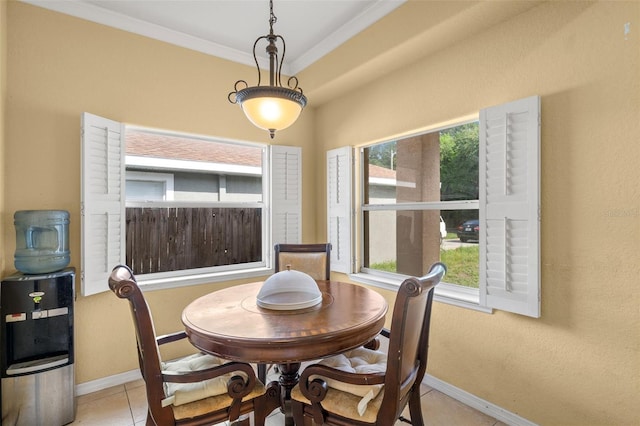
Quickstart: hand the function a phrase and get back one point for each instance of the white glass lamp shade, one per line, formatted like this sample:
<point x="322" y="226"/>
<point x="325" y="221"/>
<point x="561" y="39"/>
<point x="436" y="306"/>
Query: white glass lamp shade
<point x="271" y="108"/>
<point x="271" y="113"/>
<point x="288" y="290"/>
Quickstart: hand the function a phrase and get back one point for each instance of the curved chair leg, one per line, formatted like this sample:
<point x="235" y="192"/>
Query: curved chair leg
<point x="149" y="421"/>
<point x="297" y="409"/>
<point x="262" y="373"/>
<point x="415" y="410"/>
<point x="263" y="370"/>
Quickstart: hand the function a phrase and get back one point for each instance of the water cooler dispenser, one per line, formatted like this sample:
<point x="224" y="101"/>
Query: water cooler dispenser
<point x="37" y="359"/>
<point x="42" y="240"/>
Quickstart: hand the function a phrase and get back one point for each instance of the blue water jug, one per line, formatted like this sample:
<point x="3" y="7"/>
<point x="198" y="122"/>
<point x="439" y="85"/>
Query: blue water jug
<point x="42" y="241"/>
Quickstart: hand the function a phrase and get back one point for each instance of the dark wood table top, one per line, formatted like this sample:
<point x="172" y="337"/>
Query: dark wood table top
<point x="229" y="324"/>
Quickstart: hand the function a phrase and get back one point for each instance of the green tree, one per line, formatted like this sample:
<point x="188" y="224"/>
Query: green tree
<point x="383" y="155"/>
<point x="459" y="162"/>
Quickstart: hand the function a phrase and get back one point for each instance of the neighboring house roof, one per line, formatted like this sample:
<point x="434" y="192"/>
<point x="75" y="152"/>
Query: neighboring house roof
<point x="179" y="148"/>
<point x="381" y="172"/>
<point x="154" y="145"/>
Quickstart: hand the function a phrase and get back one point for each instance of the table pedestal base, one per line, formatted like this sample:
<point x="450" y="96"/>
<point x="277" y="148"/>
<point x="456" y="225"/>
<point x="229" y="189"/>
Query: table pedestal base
<point x="288" y="379"/>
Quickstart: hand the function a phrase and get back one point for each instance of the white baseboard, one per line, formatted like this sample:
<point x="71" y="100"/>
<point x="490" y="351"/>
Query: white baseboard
<point x="464" y="397"/>
<point x="107" y="382"/>
<point x="473" y="401"/>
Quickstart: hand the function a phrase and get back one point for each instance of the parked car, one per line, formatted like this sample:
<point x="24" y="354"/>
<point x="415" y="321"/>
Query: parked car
<point x="469" y="230"/>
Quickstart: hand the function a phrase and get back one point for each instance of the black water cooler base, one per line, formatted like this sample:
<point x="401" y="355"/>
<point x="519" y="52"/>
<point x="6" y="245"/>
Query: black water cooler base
<point x="36" y="349"/>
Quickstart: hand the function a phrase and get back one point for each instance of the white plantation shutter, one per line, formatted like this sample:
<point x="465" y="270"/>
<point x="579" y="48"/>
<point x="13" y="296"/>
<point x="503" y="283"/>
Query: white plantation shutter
<point x="286" y="194"/>
<point x="102" y="201"/>
<point x="339" y="207"/>
<point x="509" y="207"/>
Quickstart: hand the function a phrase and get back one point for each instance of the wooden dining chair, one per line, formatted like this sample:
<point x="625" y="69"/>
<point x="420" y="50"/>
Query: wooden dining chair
<point x="199" y="389"/>
<point x="312" y="259"/>
<point x="364" y="387"/>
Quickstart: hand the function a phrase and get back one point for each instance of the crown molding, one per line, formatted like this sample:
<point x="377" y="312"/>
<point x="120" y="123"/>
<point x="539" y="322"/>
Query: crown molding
<point x="93" y="13"/>
<point x="365" y="19"/>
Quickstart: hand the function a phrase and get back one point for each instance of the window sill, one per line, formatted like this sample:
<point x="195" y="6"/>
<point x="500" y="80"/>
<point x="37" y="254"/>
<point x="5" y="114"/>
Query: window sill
<point x="167" y="282"/>
<point x="451" y="294"/>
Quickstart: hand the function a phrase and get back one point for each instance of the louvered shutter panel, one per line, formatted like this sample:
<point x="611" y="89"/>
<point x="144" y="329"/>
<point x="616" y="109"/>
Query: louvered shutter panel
<point x="509" y="207"/>
<point x="339" y="207"/>
<point x="102" y="203"/>
<point x="286" y="194"/>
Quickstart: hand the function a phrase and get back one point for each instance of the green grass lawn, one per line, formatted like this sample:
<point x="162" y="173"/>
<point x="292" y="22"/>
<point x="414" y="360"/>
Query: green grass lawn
<point x="462" y="265"/>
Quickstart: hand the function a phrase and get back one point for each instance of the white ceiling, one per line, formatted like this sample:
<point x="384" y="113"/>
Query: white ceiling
<point x="228" y="28"/>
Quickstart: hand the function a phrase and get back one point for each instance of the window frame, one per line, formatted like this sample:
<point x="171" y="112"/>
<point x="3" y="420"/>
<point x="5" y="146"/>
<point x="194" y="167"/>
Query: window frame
<point x="450" y="293"/>
<point x="510" y="261"/>
<point x="201" y="275"/>
<point x="166" y="178"/>
<point x="104" y="139"/>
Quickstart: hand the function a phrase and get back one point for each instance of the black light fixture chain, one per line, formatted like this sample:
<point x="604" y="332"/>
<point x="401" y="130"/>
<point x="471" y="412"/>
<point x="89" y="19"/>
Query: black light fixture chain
<point x="274" y="91"/>
<point x="272" y="17"/>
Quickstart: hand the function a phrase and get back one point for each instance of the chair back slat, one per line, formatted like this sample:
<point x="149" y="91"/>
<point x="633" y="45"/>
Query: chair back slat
<point x="312" y="259"/>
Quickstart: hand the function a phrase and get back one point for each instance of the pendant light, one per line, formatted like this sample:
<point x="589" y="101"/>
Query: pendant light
<point x="273" y="107"/>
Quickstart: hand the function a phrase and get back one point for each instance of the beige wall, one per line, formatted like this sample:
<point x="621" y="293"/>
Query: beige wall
<point x="59" y="67"/>
<point x="3" y="101"/>
<point x="577" y="365"/>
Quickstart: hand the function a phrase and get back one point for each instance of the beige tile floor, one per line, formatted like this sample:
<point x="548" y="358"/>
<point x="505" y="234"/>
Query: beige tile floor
<point x="126" y="405"/>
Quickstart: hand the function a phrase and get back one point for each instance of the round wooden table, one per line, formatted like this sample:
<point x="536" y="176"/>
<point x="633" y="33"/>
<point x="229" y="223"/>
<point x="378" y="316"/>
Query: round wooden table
<point x="228" y="323"/>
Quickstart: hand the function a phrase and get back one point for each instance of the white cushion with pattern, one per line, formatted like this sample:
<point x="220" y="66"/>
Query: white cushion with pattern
<point x="184" y="393"/>
<point x="358" y="361"/>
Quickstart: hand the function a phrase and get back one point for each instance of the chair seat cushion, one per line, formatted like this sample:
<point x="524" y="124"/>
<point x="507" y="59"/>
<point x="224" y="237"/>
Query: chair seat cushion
<point x="358" y="361"/>
<point x="213" y="403"/>
<point x="184" y="393"/>
<point x="345" y="404"/>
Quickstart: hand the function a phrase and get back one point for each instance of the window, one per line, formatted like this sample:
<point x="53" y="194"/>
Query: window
<point x="182" y="209"/>
<point x="192" y="203"/>
<point x="149" y="186"/>
<point x="481" y="179"/>
<point x="412" y="189"/>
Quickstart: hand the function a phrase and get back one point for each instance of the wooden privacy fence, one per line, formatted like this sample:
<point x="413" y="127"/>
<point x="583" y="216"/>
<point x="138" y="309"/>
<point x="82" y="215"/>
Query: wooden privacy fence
<point x="161" y="239"/>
